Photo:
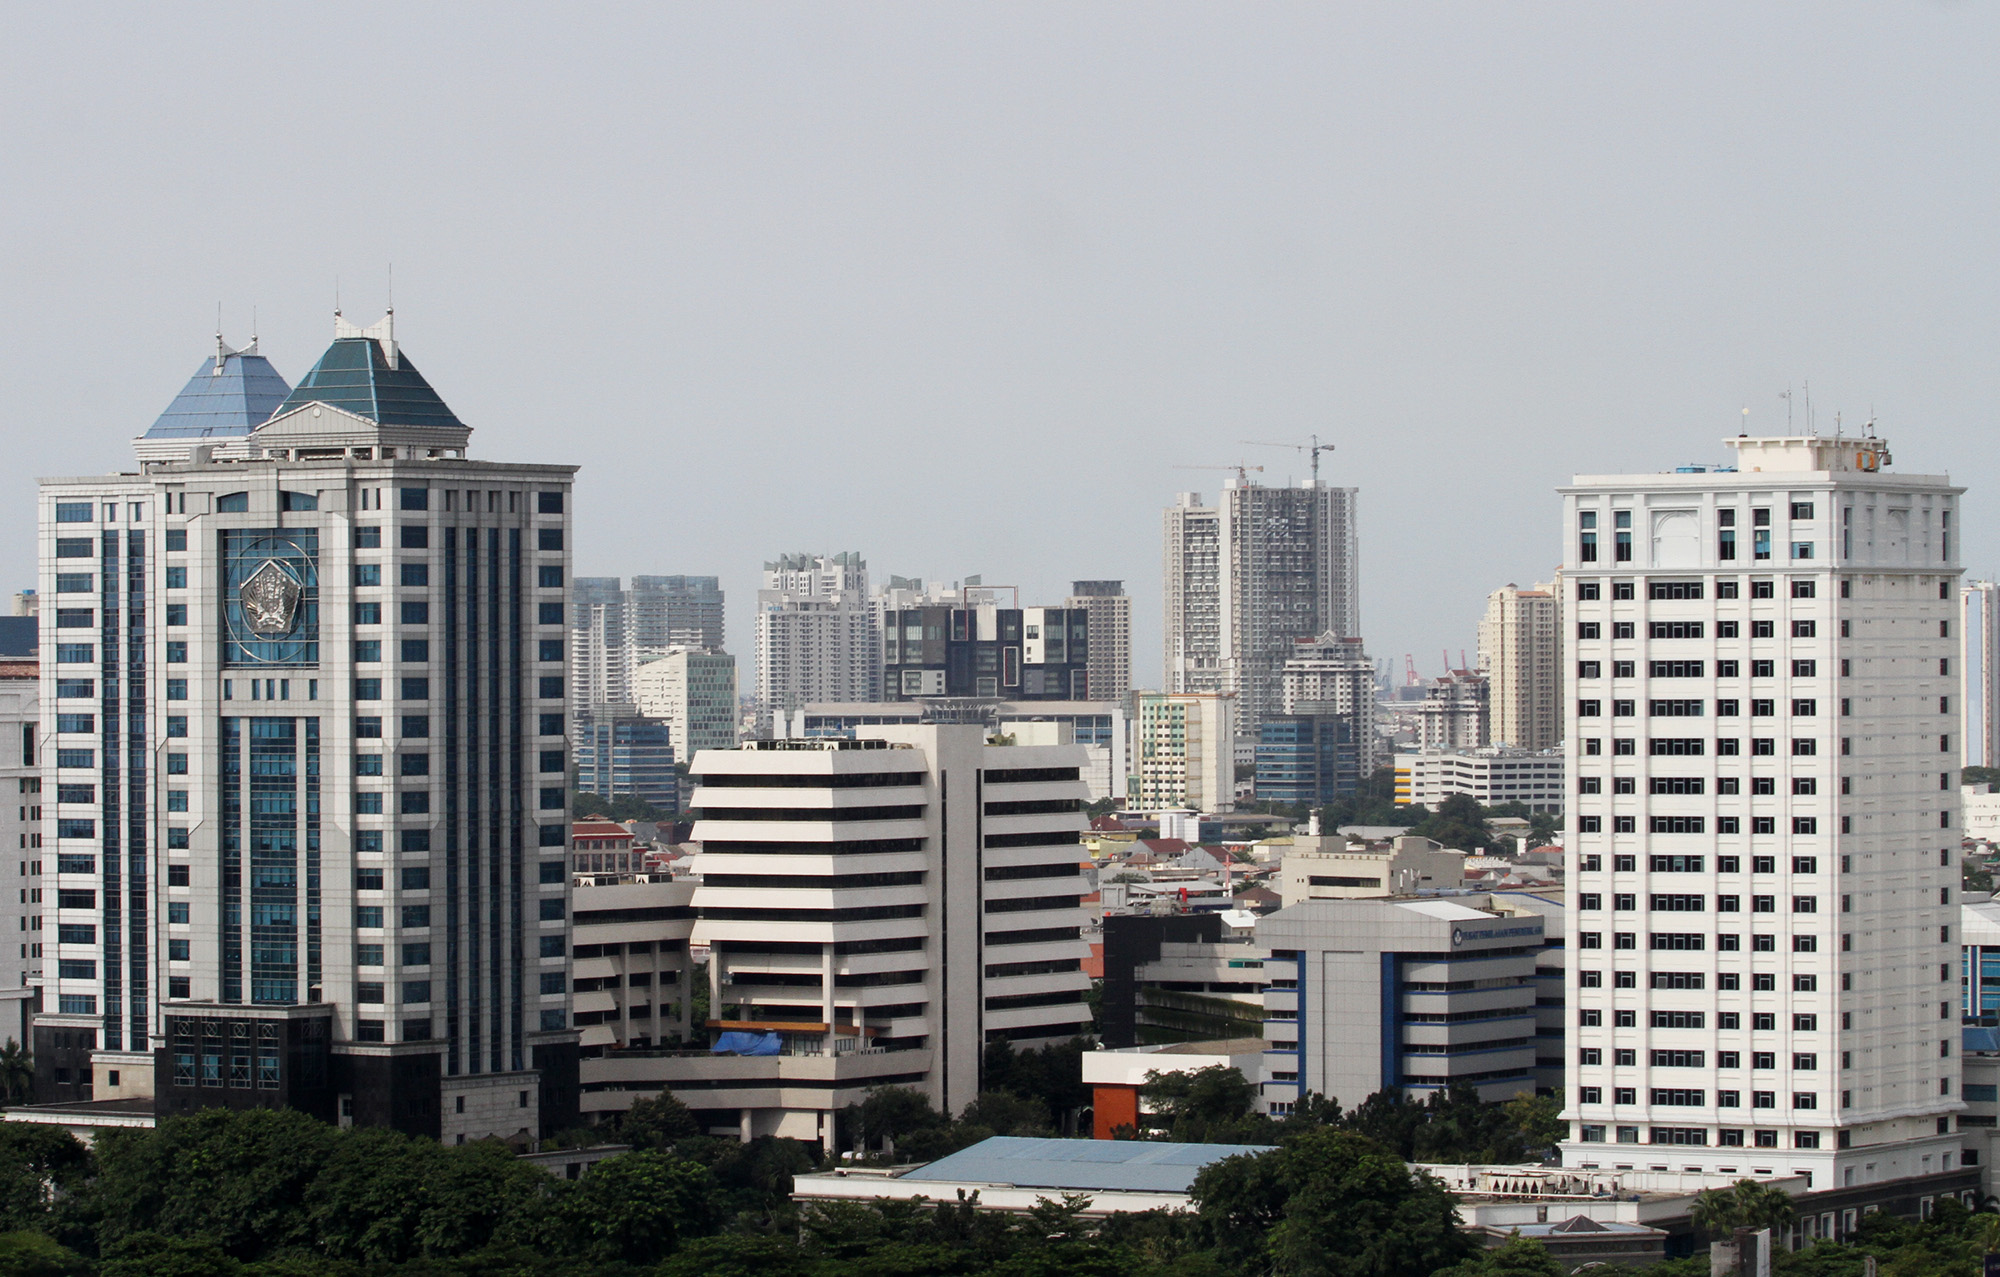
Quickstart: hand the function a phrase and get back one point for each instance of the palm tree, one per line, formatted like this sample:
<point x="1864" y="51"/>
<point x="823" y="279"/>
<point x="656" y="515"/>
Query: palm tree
<point x="17" y="1072"/>
<point x="1745" y="1204"/>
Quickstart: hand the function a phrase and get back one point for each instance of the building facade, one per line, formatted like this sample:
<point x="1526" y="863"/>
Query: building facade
<point x="666" y="612"/>
<point x="1099" y="727"/>
<point x="1763" y="734"/>
<point x="1490" y="776"/>
<point x="694" y="692"/>
<point x="1520" y="652"/>
<point x="305" y="721"/>
<point x="1455" y="712"/>
<point x="985" y="652"/>
<point x="943" y="914"/>
<point x="1247" y="578"/>
<point x="622" y="753"/>
<point x="1979" y="663"/>
<point x="21" y="845"/>
<point x="817" y="639"/>
<point x="1184" y="752"/>
<point x="1108" y="625"/>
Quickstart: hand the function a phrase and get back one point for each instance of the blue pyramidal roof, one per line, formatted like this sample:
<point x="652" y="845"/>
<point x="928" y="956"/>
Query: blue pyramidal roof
<point x="355" y="375"/>
<point x="223" y="402"/>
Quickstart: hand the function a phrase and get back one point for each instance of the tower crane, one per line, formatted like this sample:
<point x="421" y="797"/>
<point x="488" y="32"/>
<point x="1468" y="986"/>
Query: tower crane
<point x="1312" y="450"/>
<point x="1242" y="475"/>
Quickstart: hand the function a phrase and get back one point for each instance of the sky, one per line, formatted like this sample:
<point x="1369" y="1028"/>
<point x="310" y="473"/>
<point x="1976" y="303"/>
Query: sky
<point x="964" y="287"/>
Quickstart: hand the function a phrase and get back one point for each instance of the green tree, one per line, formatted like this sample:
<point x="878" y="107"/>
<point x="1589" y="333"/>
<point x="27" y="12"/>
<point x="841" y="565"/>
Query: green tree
<point x="891" y="1114"/>
<point x="587" y="805"/>
<point x="157" y="1255"/>
<point x="1745" y="1204"/>
<point x="1329" y="1202"/>
<point x="1518" y="1256"/>
<point x="37" y="1164"/>
<point x="17" y="1073"/>
<point x="1215" y="1105"/>
<point x="1539" y="1120"/>
<point x="1459" y="822"/>
<point x="635" y="1208"/>
<point x="737" y="1255"/>
<point x="1004" y="1113"/>
<point x="658" y="1122"/>
<point x="28" y="1254"/>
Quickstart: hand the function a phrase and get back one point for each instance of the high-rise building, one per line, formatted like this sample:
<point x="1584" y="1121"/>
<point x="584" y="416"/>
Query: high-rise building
<point x="1322" y="742"/>
<point x="1108" y="622"/>
<point x="985" y="651"/>
<point x="622" y="753"/>
<point x="1268" y="566"/>
<point x="1520" y="652"/>
<point x="1184" y="752"/>
<point x="1762" y="738"/>
<point x="694" y="691"/>
<point x="304" y="717"/>
<point x="665" y="612"/>
<point x="964" y="929"/>
<point x="1454" y="712"/>
<point x="816" y="634"/>
<point x="20" y="846"/>
<point x="1979" y="667"/>
<point x="600" y="650"/>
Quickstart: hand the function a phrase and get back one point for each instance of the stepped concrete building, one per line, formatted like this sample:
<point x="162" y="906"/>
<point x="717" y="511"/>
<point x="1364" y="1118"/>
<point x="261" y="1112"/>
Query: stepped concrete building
<point x="304" y="724"/>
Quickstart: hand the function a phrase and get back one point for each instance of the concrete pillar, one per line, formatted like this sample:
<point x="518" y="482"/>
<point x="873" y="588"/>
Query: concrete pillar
<point x="826" y="994"/>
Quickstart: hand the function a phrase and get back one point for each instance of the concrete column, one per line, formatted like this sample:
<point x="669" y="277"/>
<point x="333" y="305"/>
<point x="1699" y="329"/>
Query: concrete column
<point x="826" y="993"/>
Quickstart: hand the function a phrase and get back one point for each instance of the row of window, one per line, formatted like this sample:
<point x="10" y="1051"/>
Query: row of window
<point x="1670" y="902"/>
<point x="1727" y="981"/>
<point x="1696" y="942"/>
<point x="1697" y="785"/>
<point x="1802" y="707"/>
<point x="1698" y="864"/>
<point x="1697" y="824"/>
<point x="1684" y="1097"/>
<point x="1764" y="588"/>
<point x="1696" y="1136"/>
<point x="548" y="687"/>
<point x="1760" y="1022"/>
<point x="410" y="612"/>
<point x="546" y="502"/>
<point x="1699" y="669"/>
<point x="1695" y="629"/>
<point x="548" y="576"/>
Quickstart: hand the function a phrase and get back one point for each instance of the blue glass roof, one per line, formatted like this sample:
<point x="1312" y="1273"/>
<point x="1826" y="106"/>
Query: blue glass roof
<point x="1074" y="1165"/>
<point x="354" y="375"/>
<point x="221" y="405"/>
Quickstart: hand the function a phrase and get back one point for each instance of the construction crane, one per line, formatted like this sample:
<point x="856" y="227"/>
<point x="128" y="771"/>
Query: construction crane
<point x="1242" y="472"/>
<point x="1312" y="450"/>
<point x="1410" y="678"/>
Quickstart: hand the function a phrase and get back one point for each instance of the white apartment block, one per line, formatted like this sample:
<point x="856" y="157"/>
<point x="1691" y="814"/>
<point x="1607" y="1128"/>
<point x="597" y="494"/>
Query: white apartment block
<point x="1762" y="726"/>
<point x="1455" y="712"/>
<point x="303" y="700"/>
<point x="1245" y="579"/>
<point x="630" y="986"/>
<point x="1520" y="652"/>
<point x="1101" y="728"/>
<point x="694" y="692"/>
<point x="817" y="637"/>
<point x="886" y="907"/>
<point x="1184" y="752"/>
<point x="20" y="846"/>
<point x="1979" y="664"/>
<point x="1492" y="776"/>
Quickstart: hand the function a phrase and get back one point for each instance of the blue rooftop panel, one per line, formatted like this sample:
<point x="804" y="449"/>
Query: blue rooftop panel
<point x="1145" y="1166"/>
<point x="354" y="375"/>
<point x="225" y="402"/>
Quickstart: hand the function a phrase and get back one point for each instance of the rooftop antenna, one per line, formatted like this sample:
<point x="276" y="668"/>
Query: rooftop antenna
<point x="1786" y="395"/>
<point x="1810" y="428"/>
<point x="336" y="297"/>
<point x="1870" y="427"/>
<point x="1836" y="425"/>
<point x="1743" y="431"/>
<point x="392" y="288"/>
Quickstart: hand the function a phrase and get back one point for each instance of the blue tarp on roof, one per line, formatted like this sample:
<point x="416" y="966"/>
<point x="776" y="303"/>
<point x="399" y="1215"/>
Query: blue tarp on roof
<point x="232" y="402"/>
<point x="354" y="375"/>
<point x="734" y="1043"/>
<point x="1146" y="1166"/>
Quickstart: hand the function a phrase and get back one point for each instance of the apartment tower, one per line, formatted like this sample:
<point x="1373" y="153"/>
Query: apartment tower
<point x="1520" y="652"/>
<point x="1109" y="620"/>
<point x="1246" y="578"/>
<point x="304" y="725"/>
<point x="1979" y="664"/>
<point x="817" y="638"/>
<point x="1763" y="731"/>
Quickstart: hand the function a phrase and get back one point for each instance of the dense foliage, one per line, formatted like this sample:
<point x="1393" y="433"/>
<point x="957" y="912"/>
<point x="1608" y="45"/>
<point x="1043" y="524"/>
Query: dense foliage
<point x="624" y="807"/>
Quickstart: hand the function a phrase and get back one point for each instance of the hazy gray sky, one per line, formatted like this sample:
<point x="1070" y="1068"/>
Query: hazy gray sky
<point x="959" y="286"/>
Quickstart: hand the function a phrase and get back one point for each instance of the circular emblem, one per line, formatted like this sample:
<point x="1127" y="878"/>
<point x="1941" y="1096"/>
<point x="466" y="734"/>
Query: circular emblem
<point x="270" y="599"/>
<point x="1457" y="937"/>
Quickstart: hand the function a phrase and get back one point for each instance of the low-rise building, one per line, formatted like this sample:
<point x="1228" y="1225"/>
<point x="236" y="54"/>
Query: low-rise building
<point x="1185" y="751"/>
<point x="693" y="692"/>
<point x="630" y="980"/>
<point x="1345" y="868"/>
<point x="1491" y="776"/>
<point x="621" y="753"/>
<point x="1100" y="727"/>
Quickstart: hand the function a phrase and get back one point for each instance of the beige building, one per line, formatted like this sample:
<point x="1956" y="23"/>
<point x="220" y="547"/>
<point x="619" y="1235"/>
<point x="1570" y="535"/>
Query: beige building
<point x="1520" y="652"/>
<point x="1343" y="868"/>
<point x="1185" y="752"/>
<point x="1454" y="713"/>
<point x="1108" y="625"/>
<point x="694" y="693"/>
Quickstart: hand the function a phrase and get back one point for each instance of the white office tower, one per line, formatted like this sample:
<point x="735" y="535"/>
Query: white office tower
<point x="304" y="731"/>
<point x="1107" y="613"/>
<point x="1979" y="662"/>
<point x="20" y="848"/>
<point x="1455" y="712"/>
<point x="817" y="637"/>
<point x="694" y="693"/>
<point x="1268" y="566"/>
<point x="1520" y="652"/>
<point x="886" y="907"/>
<point x="666" y="612"/>
<point x="1763" y="731"/>
<point x="600" y="651"/>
